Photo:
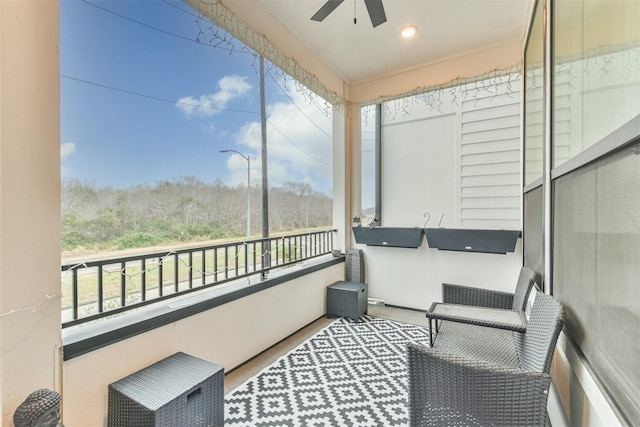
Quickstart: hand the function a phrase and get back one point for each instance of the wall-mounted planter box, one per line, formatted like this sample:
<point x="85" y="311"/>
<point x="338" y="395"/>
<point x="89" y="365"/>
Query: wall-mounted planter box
<point x="457" y="239"/>
<point x="392" y="237"/>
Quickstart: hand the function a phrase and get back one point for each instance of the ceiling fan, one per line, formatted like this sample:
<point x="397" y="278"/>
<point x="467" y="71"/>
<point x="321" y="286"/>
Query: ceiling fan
<point x="374" y="7"/>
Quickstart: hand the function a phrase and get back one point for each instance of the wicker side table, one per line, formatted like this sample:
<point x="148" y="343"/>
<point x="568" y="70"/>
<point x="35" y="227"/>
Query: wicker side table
<point x="180" y="390"/>
<point x="347" y="299"/>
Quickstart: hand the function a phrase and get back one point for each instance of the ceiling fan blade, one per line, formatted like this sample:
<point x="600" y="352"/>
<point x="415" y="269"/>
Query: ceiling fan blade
<point x="325" y="10"/>
<point x="376" y="12"/>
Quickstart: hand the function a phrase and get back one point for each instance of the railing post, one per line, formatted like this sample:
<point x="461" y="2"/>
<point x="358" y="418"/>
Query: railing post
<point x="237" y="261"/>
<point x="143" y="279"/>
<point x="190" y="269"/>
<point x="215" y="265"/>
<point x="266" y="258"/>
<point x="226" y="262"/>
<point x="160" y="276"/>
<point x="100" y="290"/>
<point x="123" y="284"/>
<point x="176" y="273"/>
<point x="204" y="267"/>
<point x="74" y="292"/>
<point x="246" y="257"/>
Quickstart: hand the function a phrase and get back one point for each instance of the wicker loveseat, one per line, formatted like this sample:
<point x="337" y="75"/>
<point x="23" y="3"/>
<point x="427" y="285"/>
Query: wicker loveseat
<point x="477" y="375"/>
<point x="467" y="295"/>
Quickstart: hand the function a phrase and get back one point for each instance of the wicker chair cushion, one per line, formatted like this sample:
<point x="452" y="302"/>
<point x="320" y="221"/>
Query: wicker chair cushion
<point x="477" y="343"/>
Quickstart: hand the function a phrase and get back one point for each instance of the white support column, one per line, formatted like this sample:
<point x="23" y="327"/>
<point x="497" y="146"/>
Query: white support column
<point x="345" y="122"/>
<point x="29" y="200"/>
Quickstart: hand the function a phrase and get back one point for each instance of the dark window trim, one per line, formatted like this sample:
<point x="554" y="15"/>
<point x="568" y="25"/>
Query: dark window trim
<point x="624" y="135"/>
<point x="535" y="184"/>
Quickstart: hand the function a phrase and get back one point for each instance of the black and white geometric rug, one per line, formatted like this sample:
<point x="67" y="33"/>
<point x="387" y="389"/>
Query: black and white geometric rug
<point x="348" y="374"/>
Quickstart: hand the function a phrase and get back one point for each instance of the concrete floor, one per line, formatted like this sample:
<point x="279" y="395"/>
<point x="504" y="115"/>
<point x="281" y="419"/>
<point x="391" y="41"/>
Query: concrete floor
<point x="250" y="368"/>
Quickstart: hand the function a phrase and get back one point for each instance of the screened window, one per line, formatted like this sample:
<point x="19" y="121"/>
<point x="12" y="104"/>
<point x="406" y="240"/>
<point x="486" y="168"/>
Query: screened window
<point x="534" y="231"/>
<point x="151" y="93"/>
<point x="596" y="72"/>
<point x="534" y="98"/>
<point x="597" y="269"/>
<point x="596" y="197"/>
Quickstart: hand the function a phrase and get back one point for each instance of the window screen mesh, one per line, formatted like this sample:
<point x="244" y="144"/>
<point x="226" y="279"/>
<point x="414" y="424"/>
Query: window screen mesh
<point x="533" y="232"/>
<point x="596" y="270"/>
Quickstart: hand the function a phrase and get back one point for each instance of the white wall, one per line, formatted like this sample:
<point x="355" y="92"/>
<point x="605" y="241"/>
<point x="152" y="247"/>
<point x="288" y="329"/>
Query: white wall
<point x="449" y="159"/>
<point x="227" y="335"/>
<point x="413" y="277"/>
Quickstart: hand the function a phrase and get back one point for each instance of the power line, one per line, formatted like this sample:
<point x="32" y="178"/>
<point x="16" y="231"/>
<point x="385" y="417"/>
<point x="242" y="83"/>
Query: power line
<point x="156" y="98"/>
<point x="297" y="146"/>
<point x="186" y="103"/>
<point x="181" y="9"/>
<point x="296" y="105"/>
<point x="135" y="21"/>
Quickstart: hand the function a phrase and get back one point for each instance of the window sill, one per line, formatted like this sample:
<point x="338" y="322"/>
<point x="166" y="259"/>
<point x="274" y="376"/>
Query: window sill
<point x="82" y="339"/>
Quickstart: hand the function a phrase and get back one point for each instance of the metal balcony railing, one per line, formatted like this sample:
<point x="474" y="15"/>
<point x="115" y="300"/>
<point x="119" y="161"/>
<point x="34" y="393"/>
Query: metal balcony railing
<point x="96" y="289"/>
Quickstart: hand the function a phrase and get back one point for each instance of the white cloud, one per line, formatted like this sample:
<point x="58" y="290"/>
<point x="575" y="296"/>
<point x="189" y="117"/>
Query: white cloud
<point x="229" y="88"/>
<point x="67" y="149"/>
<point x="299" y="144"/>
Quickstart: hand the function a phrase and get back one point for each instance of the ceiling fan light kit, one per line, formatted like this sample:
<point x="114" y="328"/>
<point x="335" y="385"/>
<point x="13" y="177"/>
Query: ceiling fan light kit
<point x="409" y="31"/>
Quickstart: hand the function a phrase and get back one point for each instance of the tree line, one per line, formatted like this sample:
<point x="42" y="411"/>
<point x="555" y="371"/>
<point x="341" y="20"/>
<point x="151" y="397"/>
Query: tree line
<point x="180" y="210"/>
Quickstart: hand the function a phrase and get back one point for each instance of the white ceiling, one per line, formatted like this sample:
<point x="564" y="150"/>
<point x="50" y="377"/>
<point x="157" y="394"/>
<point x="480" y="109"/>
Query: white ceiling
<point x="358" y="52"/>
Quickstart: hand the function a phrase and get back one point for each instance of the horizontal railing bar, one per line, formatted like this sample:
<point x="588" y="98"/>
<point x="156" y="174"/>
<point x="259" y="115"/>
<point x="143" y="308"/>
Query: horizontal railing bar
<point x="182" y="251"/>
<point x="186" y="251"/>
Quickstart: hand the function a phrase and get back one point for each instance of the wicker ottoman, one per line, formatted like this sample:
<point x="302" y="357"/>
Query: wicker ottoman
<point x="347" y="299"/>
<point x="180" y="390"/>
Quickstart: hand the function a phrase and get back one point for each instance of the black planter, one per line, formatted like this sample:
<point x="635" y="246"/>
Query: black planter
<point x="464" y="240"/>
<point x="392" y="237"/>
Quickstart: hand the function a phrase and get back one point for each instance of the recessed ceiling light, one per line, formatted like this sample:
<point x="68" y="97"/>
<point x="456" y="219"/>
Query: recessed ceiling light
<point x="409" y="31"/>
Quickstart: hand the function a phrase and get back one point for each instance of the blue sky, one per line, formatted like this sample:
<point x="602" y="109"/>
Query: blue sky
<point x="142" y="102"/>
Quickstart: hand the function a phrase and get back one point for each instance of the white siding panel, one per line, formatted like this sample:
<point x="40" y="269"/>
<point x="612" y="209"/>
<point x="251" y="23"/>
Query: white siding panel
<point x="490" y="135"/>
<point x="489" y="180"/>
<point x="491" y="213"/>
<point x="491" y="202"/>
<point x="491" y="113"/>
<point x="490" y="191"/>
<point x="492" y="224"/>
<point x="510" y="121"/>
<point x="490" y="159"/>
<point x="477" y="100"/>
<point x="491" y="146"/>
<point x="491" y="169"/>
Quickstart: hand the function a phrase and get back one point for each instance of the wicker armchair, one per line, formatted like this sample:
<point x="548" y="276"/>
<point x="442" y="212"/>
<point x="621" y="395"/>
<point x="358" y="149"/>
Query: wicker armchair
<point x="467" y="295"/>
<point x="483" y="307"/>
<point x="484" y="376"/>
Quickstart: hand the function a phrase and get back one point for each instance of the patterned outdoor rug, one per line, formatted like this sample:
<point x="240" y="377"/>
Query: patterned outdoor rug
<point x="348" y="374"/>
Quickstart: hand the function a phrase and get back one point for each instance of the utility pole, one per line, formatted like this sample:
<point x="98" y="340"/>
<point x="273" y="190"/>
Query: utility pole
<point x="266" y="248"/>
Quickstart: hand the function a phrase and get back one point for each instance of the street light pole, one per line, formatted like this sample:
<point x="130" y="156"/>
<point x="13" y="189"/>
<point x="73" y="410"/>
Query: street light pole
<point x="248" y="159"/>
